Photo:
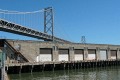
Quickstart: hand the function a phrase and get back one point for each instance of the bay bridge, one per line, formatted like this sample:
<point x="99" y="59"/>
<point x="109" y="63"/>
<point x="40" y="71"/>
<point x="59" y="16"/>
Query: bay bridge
<point x="9" y="26"/>
<point x="19" y="56"/>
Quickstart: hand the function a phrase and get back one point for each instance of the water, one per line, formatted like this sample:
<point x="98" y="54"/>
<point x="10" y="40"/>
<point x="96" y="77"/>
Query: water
<point x="108" y="73"/>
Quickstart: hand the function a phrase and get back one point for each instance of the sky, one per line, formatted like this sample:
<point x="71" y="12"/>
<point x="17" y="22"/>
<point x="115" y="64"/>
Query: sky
<point x="97" y="20"/>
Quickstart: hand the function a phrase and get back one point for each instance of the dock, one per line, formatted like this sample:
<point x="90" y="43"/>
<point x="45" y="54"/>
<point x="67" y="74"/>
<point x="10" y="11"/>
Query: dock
<point x="24" y="56"/>
<point x="51" y="66"/>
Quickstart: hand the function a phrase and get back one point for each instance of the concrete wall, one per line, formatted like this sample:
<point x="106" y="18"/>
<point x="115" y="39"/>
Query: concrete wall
<point x="31" y="49"/>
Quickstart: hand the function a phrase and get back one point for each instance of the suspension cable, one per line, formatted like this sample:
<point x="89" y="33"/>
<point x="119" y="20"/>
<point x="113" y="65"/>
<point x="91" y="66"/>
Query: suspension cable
<point x="17" y="12"/>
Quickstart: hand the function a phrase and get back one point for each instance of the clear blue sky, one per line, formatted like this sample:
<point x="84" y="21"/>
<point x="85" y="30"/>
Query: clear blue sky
<point x="98" y="20"/>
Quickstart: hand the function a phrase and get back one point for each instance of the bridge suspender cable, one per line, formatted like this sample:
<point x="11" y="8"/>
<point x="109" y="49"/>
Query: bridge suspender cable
<point x="31" y="19"/>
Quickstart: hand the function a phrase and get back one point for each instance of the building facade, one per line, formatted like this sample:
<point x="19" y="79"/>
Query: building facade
<point x="38" y="51"/>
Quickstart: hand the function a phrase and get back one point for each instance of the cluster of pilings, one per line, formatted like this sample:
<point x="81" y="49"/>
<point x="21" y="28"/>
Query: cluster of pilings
<point x="60" y="66"/>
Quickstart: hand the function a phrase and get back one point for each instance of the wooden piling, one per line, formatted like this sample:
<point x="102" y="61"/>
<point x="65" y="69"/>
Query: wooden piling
<point x="59" y="65"/>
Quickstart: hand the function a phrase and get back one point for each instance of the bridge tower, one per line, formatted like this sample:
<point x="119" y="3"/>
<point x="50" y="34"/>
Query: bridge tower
<point x="83" y="39"/>
<point x="48" y="21"/>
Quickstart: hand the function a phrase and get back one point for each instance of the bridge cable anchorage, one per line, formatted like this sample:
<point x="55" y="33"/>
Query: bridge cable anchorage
<point x="16" y="22"/>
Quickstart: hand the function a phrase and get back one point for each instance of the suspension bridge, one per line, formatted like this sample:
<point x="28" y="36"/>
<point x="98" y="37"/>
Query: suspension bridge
<point x="27" y="24"/>
<point x="24" y="23"/>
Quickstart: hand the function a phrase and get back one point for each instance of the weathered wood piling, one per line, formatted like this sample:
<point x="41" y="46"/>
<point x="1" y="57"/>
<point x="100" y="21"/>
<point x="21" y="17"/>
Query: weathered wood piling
<point x="51" y="66"/>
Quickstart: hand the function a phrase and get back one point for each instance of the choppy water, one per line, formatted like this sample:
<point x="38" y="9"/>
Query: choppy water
<point x="109" y="73"/>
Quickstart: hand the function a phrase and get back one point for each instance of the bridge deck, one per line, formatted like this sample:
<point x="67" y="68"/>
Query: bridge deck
<point x="21" y="30"/>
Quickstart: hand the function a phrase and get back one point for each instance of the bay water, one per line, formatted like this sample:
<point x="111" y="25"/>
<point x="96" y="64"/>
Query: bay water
<point x="101" y="73"/>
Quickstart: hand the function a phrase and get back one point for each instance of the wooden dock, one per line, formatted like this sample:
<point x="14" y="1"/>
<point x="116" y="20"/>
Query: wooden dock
<point x="49" y="66"/>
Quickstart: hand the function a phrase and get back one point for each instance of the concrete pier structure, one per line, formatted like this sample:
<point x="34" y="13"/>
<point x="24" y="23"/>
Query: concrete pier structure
<point x="41" y="55"/>
<point x="33" y="51"/>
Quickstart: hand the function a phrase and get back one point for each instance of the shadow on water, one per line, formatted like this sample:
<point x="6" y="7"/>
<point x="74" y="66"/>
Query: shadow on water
<point x="103" y="73"/>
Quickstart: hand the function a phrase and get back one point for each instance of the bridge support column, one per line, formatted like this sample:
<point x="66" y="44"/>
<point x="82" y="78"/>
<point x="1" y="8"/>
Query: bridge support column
<point x="85" y="53"/>
<point x="55" y="53"/>
<point x="71" y="54"/>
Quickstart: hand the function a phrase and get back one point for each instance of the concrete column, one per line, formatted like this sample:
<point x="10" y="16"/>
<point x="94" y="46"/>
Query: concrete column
<point x="0" y="57"/>
<point x="71" y="54"/>
<point x="108" y="53"/>
<point x="118" y="53"/>
<point x="55" y="54"/>
<point x="97" y="53"/>
<point x="85" y="53"/>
